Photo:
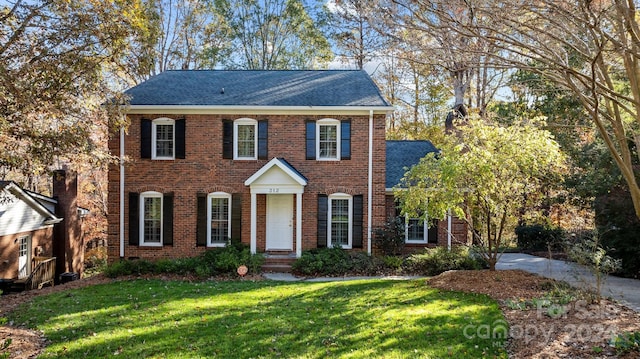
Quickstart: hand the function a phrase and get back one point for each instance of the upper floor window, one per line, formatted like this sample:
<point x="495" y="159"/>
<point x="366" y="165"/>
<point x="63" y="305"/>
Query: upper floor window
<point x="245" y="139"/>
<point x="163" y="138"/>
<point x="328" y="140"/>
<point x="219" y="214"/>
<point x="327" y="143"/>
<point x="340" y="220"/>
<point x="151" y="219"/>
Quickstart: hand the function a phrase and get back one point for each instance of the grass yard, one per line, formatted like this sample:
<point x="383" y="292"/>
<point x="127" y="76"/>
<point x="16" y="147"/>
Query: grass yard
<point x="149" y="318"/>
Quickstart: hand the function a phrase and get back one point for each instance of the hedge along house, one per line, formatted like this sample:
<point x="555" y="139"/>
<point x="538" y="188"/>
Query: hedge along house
<point x="283" y="161"/>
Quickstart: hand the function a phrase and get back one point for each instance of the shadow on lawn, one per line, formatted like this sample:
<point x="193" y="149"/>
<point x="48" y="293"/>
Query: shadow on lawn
<point x="154" y="318"/>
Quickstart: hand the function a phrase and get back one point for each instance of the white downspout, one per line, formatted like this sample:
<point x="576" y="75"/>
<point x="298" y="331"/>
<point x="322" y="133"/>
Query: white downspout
<point x="449" y="231"/>
<point x="370" y="184"/>
<point x="122" y="192"/>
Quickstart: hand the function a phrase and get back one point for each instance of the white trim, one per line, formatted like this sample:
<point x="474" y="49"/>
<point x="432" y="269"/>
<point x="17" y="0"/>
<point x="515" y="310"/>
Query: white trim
<point x="121" y="192"/>
<point x="245" y="122"/>
<point x="209" y="198"/>
<point x="349" y="198"/>
<point x="278" y="163"/>
<point x="298" y="225"/>
<point x="254" y="222"/>
<point x="150" y="194"/>
<point x="162" y="121"/>
<point x="326" y="122"/>
<point x="449" y="225"/>
<point x="255" y="110"/>
<point x="370" y="185"/>
<point x="425" y="231"/>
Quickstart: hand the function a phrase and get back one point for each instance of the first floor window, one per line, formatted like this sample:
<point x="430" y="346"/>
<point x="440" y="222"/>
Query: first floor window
<point x="219" y="219"/>
<point x="340" y="220"/>
<point x="415" y="230"/>
<point x="151" y="218"/>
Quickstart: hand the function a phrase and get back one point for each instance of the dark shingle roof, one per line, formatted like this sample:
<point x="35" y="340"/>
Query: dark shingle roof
<point x="401" y="155"/>
<point x="258" y="88"/>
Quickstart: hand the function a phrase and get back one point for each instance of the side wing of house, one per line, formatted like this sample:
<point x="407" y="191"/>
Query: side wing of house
<point x="401" y="156"/>
<point x="26" y="230"/>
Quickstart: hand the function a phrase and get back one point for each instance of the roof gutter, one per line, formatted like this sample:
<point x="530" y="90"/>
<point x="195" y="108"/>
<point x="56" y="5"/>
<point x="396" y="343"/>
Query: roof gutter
<point x="257" y="110"/>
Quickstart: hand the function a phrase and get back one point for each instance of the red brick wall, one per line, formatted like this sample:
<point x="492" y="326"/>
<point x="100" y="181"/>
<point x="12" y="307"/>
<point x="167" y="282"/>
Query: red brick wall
<point x="40" y="246"/>
<point x="204" y="170"/>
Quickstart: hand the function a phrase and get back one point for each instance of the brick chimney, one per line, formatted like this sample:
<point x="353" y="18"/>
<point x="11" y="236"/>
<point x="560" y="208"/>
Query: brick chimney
<point x="68" y="244"/>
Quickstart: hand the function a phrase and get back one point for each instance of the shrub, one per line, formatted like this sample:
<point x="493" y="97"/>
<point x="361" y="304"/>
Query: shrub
<point x="538" y="237"/>
<point x="434" y="261"/>
<point x="215" y="261"/>
<point x="626" y="342"/>
<point x="323" y="261"/>
<point x="390" y="237"/>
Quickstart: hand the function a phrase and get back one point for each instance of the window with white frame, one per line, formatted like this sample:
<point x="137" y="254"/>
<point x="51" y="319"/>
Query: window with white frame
<point x="328" y="139"/>
<point x="151" y="219"/>
<point x="163" y="139"/>
<point x="340" y="220"/>
<point x="415" y="230"/>
<point x="245" y="139"/>
<point x="219" y="214"/>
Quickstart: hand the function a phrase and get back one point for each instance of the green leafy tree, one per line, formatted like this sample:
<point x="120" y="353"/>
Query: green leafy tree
<point x="53" y="57"/>
<point x="484" y="175"/>
<point x="272" y="34"/>
<point x="588" y="48"/>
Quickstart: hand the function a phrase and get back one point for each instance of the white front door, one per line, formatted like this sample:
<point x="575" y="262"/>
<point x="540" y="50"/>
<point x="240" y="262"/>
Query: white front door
<point x="24" y="262"/>
<point x="279" y="222"/>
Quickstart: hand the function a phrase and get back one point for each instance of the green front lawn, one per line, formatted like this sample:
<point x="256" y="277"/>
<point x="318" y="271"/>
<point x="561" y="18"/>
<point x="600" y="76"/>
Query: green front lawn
<point x="243" y="319"/>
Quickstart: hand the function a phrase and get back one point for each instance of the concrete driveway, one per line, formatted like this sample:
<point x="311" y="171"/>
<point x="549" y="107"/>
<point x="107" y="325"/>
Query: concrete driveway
<point x="626" y="291"/>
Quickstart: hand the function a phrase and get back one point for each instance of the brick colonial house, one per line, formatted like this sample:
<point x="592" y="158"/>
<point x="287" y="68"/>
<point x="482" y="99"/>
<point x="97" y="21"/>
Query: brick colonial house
<point x="284" y="161"/>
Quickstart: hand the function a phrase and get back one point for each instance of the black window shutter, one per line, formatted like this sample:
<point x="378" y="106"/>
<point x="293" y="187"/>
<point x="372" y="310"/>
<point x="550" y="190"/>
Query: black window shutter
<point x="145" y="138"/>
<point x="180" y="138"/>
<point x="345" y="139"/>
<point x="227" y="139"/>
<point x="134" y="220"/>
<point x="311" y="139"/>
<point x="201" y="224"/>
<point x="356" y="235"/>
<point x="236" y="216"/>
<point x="323" y="212"/>
<point x="167" y="219"/>
<point x="263" y="143"/>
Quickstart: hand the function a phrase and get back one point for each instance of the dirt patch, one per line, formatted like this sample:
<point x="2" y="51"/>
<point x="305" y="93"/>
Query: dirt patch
<point x="577" y="329"/>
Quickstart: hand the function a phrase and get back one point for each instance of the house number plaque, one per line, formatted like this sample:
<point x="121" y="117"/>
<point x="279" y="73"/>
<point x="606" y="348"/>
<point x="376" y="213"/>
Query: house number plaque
<point x="274" y="190"/>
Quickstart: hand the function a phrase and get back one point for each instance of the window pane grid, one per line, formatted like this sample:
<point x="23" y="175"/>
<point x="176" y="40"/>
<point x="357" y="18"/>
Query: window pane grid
<point x="152" y="220"/>
<point x="219" y="220"/>
<point x="23" y="249"/>
<point x="340" y="221"/>
<point x="415" y="230"/>
<point x="164" y="140"/>
<point x="246" y="141"/>
<point x="328" y="142"/>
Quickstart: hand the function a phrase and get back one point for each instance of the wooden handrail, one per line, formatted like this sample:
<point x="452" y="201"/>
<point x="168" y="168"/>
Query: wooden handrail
<point x="43" y="273"/>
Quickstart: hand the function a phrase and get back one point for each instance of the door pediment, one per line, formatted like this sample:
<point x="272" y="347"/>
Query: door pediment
<point x="277" y="177"/>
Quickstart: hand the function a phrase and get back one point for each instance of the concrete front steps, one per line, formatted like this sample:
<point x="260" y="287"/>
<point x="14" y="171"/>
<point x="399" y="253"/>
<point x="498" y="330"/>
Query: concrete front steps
<point x="278" y="262"/>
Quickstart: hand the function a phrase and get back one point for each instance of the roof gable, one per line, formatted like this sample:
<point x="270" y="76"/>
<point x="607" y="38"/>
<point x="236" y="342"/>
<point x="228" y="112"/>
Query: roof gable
<point x="310" y="88"/>
<point x="401" y="156"/>
<point x="21" y="212"/>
